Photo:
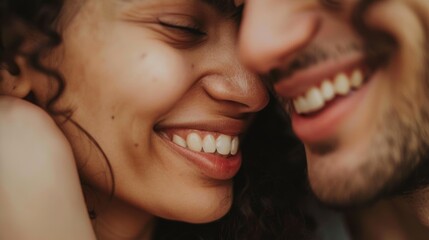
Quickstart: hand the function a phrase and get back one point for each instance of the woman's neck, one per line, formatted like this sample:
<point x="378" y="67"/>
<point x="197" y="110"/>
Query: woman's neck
<point x="118" y="220"/>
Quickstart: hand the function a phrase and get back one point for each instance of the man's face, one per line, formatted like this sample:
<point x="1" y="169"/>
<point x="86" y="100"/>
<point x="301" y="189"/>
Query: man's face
<point x="353" y="76"/>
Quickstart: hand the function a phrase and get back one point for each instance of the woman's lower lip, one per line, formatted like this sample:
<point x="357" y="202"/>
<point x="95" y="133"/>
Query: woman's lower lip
<point x="211" y="165"/>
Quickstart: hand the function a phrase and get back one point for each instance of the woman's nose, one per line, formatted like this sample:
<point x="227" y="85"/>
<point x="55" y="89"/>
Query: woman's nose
<point x="240" y="88"/>
<point x="272" y="32"/>
<point x="230" y="82"/>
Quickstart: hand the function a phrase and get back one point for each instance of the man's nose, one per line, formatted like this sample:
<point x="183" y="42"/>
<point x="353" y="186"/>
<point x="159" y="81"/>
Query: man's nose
<point x="272" y="31"/>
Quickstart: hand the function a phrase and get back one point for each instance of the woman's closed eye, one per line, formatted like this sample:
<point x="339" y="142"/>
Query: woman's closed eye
<point x="190" y="29"/>
<point x="184" y="31"/>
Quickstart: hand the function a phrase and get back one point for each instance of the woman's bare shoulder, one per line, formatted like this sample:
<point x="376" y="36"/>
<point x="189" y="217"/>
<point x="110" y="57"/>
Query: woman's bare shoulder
<point x="28" y="133"/>
<point x="37" y="173"/>
<point x="25" y="118"/>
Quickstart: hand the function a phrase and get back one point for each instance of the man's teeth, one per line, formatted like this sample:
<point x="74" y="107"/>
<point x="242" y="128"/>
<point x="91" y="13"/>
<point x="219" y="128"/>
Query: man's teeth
<point x="223" y="145"/>
<point x="316" y="97"/>
<point x="356" y="80"/>
<point x="342" y="84"/>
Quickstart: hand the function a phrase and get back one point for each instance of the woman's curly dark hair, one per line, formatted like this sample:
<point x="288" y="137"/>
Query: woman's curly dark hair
<point x="269" y="188"/>
<point x="17" y="18"/>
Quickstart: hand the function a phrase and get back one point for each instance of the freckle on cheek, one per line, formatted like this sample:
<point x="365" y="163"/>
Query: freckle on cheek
<point x="193" y="66"/>
<point x="143" y="55"/>
<point x="136" y="145"/>
<point x="113" y="117"/>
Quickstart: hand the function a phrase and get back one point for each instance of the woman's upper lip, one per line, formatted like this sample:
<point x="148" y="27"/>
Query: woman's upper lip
<point x="228" y="126"/>
<point x="301" y="81"/>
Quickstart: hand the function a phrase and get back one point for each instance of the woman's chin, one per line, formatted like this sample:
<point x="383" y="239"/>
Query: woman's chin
<point x="203" y="212"/>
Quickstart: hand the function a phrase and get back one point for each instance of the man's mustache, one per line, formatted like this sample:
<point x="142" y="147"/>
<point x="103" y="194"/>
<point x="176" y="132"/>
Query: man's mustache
<point x="378" y="46"/>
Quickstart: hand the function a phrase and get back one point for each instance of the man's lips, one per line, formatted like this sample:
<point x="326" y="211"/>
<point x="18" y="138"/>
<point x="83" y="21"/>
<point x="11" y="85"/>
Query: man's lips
<point x="301" y="81"/>
<point x="324" y="124"/>
<point x="318" y="97"/>
<point x="312" y="89"/>
<point x="324" y="96"/>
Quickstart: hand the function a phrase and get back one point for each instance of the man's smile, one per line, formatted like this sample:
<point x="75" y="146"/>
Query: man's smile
<point x="318" y="96"/>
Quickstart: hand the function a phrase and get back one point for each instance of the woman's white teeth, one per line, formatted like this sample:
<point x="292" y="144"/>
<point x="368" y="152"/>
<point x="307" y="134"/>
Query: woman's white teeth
<point x="223" y="145"/>
<point x="194" y="142"/>
<point x="209" y="144"/>
<point x="234" y="145"/>
<point x="316" y="97"/>
<point x="179" y="141"/>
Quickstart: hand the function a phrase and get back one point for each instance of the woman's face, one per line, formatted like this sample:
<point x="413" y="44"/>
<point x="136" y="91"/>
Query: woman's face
<point x="144" y="78"/>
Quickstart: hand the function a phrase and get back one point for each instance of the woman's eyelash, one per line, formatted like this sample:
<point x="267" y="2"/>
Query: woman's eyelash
<point x="189" y="29"/>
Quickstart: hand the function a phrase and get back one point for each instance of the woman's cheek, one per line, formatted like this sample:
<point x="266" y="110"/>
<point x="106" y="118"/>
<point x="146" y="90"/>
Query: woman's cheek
<point x="161" y="79"/>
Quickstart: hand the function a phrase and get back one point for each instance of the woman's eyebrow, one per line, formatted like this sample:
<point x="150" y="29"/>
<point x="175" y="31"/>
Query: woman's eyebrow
<point x="225" y="6"/>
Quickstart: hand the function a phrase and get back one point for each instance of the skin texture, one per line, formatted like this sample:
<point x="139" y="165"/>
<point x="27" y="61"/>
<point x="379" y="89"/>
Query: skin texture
<point x="37" y="172"/>
<point x="381" y="143"/>
<point x="129" y="73"/>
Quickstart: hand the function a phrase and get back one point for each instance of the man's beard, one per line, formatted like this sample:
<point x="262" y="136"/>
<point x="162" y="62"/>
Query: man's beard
<point x="400" y="153"/>
<point x="397" y="160"/>
<point x="417" y="134"/>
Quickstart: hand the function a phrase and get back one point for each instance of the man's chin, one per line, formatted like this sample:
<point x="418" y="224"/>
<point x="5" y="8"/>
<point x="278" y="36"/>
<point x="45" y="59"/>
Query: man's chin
<point x="345" y="200"/>
<point x="339" y="185"/>
<point x="339" y="197"/>
<point x="345" y="178"/>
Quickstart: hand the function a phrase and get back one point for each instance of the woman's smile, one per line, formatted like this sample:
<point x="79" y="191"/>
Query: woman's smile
<point x="211" y="146"/>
